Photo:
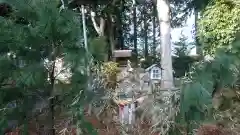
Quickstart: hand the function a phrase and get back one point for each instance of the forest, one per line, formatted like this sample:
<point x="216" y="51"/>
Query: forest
<point x="110" y="67"/>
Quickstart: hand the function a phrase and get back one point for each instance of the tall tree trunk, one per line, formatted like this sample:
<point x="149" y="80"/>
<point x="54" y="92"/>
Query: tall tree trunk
<point x="145" y="32"/>
<point x="135" y="29"/>
<point x="163" y="8"/>
<point x="154" y="31"/>
<point x="119" y="25"/>
<point x="110" y="36"/>
<point x="198" y="46"/>
<point x="52" y="73"/>
<point x="51" y="100"/>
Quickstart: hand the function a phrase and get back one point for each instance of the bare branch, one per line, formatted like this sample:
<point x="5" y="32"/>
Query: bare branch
<point x="97" y="28"/>
<point x="102" y="27"/>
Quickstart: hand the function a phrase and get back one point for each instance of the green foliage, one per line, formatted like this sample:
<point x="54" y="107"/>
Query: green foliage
<point x="197" y="91"/>
<point x="197" y="5"/>
<point x="29" y="52"/>
<point x="182" y="61"/>
<point x="181" y="65"/>
<point x="218" y="26"/>
<point x="183" y="47"/>
<point x="110" y="70"/>
<point x="98" y="48"/>
<point x="185" y="8"/>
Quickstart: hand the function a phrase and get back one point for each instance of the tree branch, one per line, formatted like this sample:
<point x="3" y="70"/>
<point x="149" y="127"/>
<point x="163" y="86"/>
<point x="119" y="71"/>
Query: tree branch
<point x="102" y="26"/>
<point x="97" y="28"/>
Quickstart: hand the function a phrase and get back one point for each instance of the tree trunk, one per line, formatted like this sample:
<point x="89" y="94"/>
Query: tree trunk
<point x="163" y="8"/>
<point x="51" y="113"/>
<point x="99" y="28"/>
<point x="154" y="31"/>
<point x="110" y="36"/>
<point x="51" y="102"/>
<point x="119" y="24"/>
<point x="135" y="29"/>
<point x="145" y="32"/>
<point x="51" y="116"/>
<point x="198" y="46"/>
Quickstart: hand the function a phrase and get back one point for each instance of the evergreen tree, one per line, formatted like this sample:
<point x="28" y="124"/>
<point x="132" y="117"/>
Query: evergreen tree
<point x="182" y="61"/>
<point x="183" y="47"/>
<point x="204" y="80"/>
<point x="33" y="40"/>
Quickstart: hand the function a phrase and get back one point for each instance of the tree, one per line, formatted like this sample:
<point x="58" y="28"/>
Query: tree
<point x="204" y="81"/>
<point x="163" y="8"/>
<point x="182" y="61"/>
<point x="145" y="31"/>
<point x="195" y="7"/>
<point x="135" y="29"/>
<point x="183" y="47"/>
<point x="30" y="53"/>
<point x="219" y="25"/>
<point x="154" y="15"/>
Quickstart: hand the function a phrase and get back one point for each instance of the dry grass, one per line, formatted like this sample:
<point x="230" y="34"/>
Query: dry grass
<point x="211" y="129"/>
